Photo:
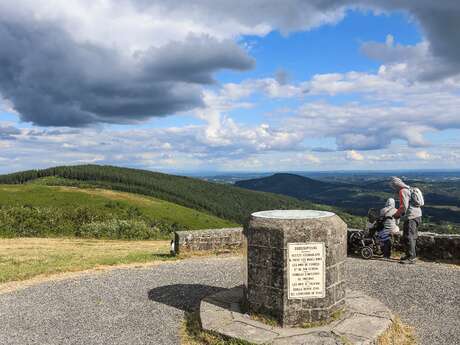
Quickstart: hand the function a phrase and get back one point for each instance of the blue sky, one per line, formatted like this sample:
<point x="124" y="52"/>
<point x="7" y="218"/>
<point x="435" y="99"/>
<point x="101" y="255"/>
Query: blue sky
<point x="293" y="87"/>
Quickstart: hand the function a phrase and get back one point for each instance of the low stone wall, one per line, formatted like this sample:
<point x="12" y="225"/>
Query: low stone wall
<point x="429" y="245"/>
<point x="432" y="246"/>
<point x="210" y="239"/>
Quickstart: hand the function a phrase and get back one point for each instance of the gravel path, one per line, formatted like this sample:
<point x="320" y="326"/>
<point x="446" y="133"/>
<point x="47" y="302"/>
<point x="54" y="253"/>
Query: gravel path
<point x="425" y="295"/>
<point x="145" y="306"/>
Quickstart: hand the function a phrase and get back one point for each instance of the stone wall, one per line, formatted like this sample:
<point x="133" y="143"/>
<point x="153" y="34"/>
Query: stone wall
<point x="429" y="245"/>
<point x="208" y="240"/>
<point x="432" y="246"/>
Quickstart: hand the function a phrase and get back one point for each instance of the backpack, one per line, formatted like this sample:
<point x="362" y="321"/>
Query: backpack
<point x="416" y="197"/>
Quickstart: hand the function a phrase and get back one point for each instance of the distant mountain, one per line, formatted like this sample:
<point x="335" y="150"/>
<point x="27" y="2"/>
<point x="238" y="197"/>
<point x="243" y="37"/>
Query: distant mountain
<point x="296" y="186"/>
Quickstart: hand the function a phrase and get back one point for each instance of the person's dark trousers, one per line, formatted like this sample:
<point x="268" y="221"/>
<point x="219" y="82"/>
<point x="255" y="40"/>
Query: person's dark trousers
<point x="410" y="235"/>
<point x="386" y="248"/>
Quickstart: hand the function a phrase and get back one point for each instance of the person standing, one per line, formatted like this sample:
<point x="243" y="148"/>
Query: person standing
<point x="388" y="227"/>
<point x="410" y="202"/>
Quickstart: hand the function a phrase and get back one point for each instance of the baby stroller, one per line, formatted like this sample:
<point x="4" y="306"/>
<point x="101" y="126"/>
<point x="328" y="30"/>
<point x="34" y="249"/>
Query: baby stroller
<point x="366" y="242"/>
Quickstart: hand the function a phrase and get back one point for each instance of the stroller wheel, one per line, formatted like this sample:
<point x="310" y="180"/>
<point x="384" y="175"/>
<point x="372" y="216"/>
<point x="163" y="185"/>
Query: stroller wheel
<point x="367" y="252"/>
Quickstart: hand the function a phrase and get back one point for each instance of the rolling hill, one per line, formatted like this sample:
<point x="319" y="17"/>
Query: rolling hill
<point x="223" y="201"/>
<point x="35" y="209"/>
<point x="297" y="186"/>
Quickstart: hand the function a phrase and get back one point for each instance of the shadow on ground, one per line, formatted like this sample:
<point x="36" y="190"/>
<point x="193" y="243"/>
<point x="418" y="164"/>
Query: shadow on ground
<point x="186" y="297"/>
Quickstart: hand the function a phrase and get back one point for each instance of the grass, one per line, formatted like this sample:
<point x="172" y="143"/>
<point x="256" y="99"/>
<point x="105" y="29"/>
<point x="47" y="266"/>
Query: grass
<point x="25" y="258"/>
<point x="192" y="334"/>
<point x="398" y="334"/>
<point x="264" y="319"/>
<point x="113" y="202"/>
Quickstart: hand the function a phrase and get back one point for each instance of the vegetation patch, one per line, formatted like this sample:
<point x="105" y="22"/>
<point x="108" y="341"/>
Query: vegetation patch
<point x="398" y="334"/>
<point x="264" y="319"/>
<point x="43" y="211"/>
<point x="191" y="333"/>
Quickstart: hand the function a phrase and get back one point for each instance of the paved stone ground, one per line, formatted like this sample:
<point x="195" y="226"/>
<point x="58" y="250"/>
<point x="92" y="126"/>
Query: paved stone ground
<point x="145" y="306"/>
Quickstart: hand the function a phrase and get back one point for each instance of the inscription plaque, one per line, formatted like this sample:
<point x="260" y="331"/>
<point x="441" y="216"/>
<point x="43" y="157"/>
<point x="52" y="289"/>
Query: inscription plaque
<point x="306" y="270"/>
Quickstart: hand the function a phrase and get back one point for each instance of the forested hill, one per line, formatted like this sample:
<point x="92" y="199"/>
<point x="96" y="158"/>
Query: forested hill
<point x="297" y="186"/>
<point x="221" y="200"/>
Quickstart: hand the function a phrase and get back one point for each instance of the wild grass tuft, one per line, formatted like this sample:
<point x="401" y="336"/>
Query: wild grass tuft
<point x="192" y="333"/>
<point x="398" y="334"/>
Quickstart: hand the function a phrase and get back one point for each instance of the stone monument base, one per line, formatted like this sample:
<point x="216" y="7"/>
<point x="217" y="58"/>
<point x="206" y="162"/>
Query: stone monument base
<point x="362" y="322"/>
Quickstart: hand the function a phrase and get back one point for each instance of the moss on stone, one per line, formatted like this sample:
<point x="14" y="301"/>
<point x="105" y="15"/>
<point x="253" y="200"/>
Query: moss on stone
<point x="334" y="317"/>
<point x="264" y="319"/>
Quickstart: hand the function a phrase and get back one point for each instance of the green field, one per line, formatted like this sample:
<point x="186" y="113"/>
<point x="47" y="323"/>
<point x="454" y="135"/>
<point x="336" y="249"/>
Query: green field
<point x="40" y="210"/>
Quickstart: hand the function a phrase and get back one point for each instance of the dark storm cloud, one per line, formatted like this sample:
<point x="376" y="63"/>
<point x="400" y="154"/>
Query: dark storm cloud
<point x="193" y="60"/>
<point x="54" y="81"/>
<point x="439" y="20"/>
<point x="286" y="15"/>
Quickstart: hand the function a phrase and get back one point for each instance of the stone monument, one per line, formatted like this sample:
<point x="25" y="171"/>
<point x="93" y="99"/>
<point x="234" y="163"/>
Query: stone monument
<point x="295" y="265"/>
<point x="295" y="274"/>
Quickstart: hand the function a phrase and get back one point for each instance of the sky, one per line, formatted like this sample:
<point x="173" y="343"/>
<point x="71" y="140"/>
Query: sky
<point x="214" y="85"/>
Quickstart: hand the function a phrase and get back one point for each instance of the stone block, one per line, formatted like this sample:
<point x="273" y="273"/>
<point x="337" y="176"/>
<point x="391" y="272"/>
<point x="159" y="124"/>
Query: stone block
<point x="362" y="322"/>
<point x="210" y="239"/>
<point x="317" y="240"/>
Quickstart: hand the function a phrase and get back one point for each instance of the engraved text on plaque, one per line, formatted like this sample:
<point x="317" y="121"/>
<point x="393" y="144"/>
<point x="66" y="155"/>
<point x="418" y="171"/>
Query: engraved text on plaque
<point x="306" y="270"/>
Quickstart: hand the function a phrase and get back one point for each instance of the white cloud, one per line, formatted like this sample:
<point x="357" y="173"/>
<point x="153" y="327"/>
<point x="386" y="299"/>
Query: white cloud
<point x="189" y="149"/>
<point x="424" y="155"/>
<point x="311" y="158"/>
<point x="354" y="155"/>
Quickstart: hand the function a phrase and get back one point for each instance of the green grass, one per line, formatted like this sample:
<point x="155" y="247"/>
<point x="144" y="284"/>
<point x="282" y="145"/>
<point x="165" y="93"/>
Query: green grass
<point x="46" y="211"/>
<point x="25" y="258"/>
<point x="107" y="201"/>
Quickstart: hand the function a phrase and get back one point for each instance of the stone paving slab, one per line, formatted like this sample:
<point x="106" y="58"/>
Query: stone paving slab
<point x="364" y="320"/>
